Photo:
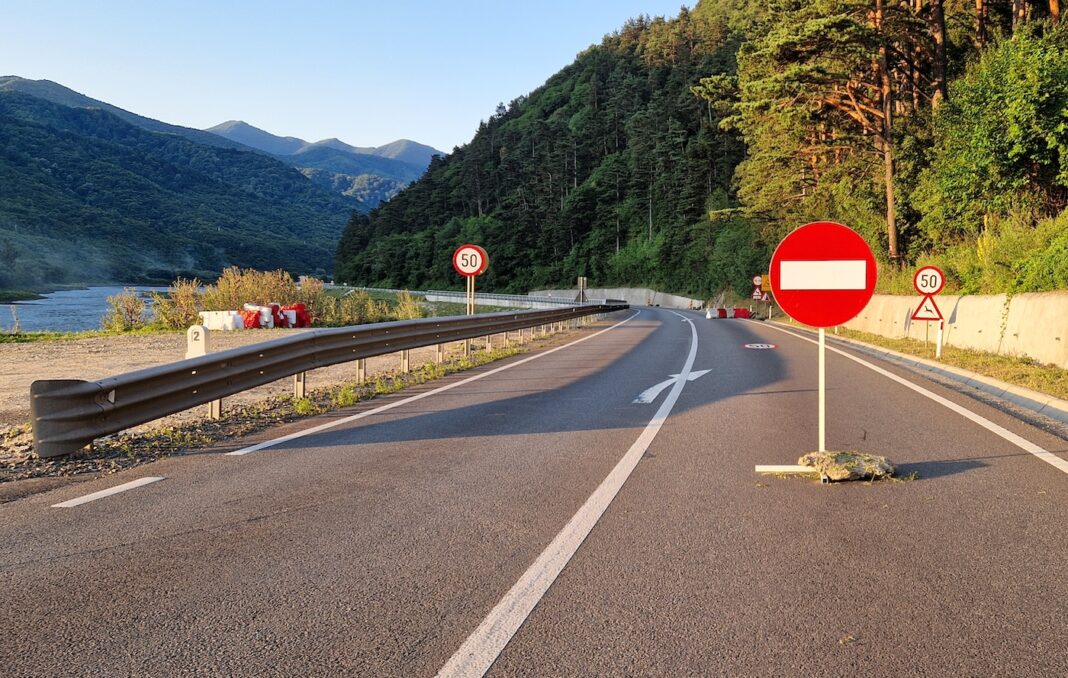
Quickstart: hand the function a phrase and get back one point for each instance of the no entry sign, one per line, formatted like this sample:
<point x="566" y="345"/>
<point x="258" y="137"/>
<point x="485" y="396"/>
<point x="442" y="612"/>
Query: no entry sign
<point x="470" y="260"/>
<point x="823" y="274"/>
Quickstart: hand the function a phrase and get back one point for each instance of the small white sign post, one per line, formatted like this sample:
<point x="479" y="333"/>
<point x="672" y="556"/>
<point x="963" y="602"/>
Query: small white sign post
<point x="197" y="344"/>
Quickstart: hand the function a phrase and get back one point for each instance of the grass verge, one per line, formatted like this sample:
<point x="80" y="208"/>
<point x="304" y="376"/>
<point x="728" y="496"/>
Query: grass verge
<point x="1015" y="370"/>
<point x="126" y="450"/>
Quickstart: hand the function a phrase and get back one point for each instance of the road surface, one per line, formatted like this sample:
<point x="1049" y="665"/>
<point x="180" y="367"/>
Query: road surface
<point x="530" y="518"/>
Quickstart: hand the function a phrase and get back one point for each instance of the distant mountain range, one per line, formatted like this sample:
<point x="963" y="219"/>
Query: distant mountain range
<point x="404" y="150"/>
<point x="338" y="166"/>
<point x="90" y="192"/>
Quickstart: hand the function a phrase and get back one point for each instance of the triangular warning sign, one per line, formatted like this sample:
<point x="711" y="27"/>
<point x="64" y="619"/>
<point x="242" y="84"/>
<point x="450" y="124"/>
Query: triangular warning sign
<point x="927" y="310"/>
<point x="765" y="297"/>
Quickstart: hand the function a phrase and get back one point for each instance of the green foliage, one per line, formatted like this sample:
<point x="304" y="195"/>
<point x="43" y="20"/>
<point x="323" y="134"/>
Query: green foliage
<point x="179" y="307"/>
<point x="306" y="407"/>
<point x="126" y="311"/>
<point x="407" y="307"/>
<point x="1002" y="139"/>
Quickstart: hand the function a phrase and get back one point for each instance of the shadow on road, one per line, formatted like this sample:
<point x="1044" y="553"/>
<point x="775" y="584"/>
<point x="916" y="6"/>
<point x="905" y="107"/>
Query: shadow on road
<point x="594" y="399"/>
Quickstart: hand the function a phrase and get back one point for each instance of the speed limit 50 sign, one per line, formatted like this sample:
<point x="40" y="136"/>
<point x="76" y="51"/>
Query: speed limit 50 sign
<point x="929" y="280"/>
<point x="470" y="260"/>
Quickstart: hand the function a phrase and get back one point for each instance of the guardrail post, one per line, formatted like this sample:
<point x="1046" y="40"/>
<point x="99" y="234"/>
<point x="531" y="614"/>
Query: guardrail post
<point x="215" y="409"/>
<point x="439" y="354"/>
<point x="361" y="370"/>
<point x="299" y="385"/>
<point x="467" y="347"/>
<point x="406" y="364"/>
<point x="489" y="342"/>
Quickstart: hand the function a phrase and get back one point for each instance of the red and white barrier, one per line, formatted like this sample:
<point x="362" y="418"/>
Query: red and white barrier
<point x="727" y="313"/>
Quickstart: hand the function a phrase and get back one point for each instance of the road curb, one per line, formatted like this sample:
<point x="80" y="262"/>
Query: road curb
<point x="1040" y="403"/>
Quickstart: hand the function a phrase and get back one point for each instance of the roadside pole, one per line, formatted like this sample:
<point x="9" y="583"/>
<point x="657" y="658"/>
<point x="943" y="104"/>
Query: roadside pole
<point x="823" y="390"/>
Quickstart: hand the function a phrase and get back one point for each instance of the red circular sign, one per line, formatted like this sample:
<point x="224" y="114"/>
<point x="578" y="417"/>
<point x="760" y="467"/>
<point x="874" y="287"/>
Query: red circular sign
<point x="470" y="260"/>
<point x="929" y="280"/>
<point x="823" y="274"/>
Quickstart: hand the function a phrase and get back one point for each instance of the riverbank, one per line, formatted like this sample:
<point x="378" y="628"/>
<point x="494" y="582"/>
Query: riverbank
<point x="11" y="296"/>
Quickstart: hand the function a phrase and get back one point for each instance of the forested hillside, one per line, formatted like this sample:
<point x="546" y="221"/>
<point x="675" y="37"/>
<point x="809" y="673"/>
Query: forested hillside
<point x="677" y="152"/>
<point x="86" y="196"/>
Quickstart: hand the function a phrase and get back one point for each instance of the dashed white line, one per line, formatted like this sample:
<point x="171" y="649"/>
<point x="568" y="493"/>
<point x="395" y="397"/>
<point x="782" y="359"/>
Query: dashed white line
<point x="482" y="647"/>
<point x="1002" y="432"/>
<point x="338" y="422"/>
<point x="108" y="492"/>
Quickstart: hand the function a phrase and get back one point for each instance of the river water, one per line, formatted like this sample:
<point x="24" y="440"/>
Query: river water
<point x="65" y="311"/>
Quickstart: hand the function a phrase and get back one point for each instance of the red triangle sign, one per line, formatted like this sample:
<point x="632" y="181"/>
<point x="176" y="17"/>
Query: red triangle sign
<point x="927" y="310"/>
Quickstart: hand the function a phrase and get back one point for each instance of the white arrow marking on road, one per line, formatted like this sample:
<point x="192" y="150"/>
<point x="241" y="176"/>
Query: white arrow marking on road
<point x="649" y="395"/>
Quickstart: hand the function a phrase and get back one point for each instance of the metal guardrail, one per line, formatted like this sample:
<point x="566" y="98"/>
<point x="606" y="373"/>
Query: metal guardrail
<point x="481" y="297"/>
<point x="69" y="414"/>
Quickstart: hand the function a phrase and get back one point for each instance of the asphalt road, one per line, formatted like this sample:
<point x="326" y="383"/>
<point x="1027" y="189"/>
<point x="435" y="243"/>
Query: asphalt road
<point x="439" y="533"/>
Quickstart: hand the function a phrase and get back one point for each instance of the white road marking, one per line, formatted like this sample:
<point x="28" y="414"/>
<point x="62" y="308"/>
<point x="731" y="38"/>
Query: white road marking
<point x="649" y="395"/>
<point x="482" y="647"/>
<point x="1001" y="431"/>
<point x="338" y="422"/>
<point x="108" y="492"/>
<point x="850" y="274"/>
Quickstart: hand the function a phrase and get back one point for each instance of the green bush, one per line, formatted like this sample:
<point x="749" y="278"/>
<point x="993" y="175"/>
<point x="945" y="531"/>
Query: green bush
<point x="126" y="311"/>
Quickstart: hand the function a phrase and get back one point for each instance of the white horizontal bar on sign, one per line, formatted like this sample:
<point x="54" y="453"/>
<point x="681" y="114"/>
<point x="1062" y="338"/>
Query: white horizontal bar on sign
<point x="848" y="274"/>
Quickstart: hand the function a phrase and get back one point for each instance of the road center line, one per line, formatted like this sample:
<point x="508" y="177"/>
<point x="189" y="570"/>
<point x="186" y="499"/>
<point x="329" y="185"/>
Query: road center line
<point x="108" y="492"/>
<point x="338" y="422"/>
<point x="482" y="647"/>
<point x="1022" y="443"/>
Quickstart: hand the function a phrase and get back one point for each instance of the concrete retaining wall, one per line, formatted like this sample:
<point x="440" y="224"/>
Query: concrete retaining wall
<point x="1033" y="325"/>
<point x="636" y="296"/>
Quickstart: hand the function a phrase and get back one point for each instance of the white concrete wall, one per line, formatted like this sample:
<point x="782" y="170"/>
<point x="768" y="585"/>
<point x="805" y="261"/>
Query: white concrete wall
<point x="637" y="296"/>
<point x="1032" y="325"/>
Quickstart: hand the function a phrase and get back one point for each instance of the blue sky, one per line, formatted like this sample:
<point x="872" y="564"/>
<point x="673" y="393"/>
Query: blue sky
<point x="365" y="72"/>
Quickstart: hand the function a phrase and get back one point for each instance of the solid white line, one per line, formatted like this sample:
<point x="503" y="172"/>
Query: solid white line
<point x="1023" y="444"/>
<point x="849" y="274"/>
<point x="338" y="422"/>
<point x="108" y="492"/>
<point x="482" y="647"/>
